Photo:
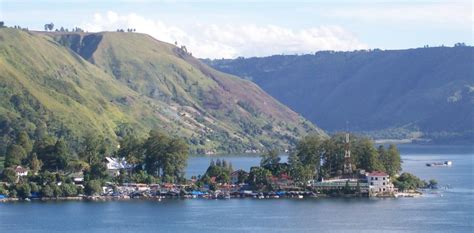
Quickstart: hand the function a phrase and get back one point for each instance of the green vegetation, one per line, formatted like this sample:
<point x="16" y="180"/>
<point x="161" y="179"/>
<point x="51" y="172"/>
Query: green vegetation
<point x="316" y="157"/>
<point x="68" y="85"/>
<point x="220" y="170"/>
<point x="384" y="94"/>
<point x="407" y="181"/>
<point x="157" y="158"/>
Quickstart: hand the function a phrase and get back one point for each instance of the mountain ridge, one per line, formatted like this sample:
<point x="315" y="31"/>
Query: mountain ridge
<point x="383" y="93"/>
<point x="114" y="82"/>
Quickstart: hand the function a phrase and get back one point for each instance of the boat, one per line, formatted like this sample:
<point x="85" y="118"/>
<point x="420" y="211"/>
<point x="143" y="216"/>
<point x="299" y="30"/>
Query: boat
<point x="443" y="164"/>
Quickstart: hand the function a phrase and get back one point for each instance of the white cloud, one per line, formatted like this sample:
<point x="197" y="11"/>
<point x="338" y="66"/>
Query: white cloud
<point x="451" y="13"/>
<point x="232" y="40"/>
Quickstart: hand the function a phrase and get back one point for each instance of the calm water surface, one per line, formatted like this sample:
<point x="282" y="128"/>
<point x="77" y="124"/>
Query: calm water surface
<point x="445" y="211"/>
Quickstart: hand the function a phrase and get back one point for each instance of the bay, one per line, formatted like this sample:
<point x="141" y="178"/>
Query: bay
<point x="446" y="210"/>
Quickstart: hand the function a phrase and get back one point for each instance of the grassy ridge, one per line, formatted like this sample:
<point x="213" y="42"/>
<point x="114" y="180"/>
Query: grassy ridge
<point x="74" y="84"/>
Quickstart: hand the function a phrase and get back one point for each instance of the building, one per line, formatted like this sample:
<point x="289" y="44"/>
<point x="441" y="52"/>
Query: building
<point x="114" y="165"/>
<point x="282" y="182"/>
<point x="379" y="183"/>
<point x="238" y="176"/>
<point x="340" y="184"/>
<point x="21" y="171"/>
<point x="77" y="178"/>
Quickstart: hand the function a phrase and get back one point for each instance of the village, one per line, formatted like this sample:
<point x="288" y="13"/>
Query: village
<point x="374" y="184"/>
<point x="271" y="180"/>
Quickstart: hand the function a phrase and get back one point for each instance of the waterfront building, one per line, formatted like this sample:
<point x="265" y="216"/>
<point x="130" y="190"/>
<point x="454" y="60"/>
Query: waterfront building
<point x="20" y="172"/>
<point x="379" y="183"/>
<point x="237" y="176"/>
<point x="341" y="184"/>
<point x="114" y="165"/>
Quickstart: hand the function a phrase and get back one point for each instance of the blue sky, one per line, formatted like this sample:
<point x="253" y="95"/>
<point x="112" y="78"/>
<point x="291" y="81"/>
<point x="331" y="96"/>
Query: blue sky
<point x="258" y="28"/>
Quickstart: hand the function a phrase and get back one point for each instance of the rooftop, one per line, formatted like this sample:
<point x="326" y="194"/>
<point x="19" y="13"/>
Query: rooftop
<point x="377" y="173"/>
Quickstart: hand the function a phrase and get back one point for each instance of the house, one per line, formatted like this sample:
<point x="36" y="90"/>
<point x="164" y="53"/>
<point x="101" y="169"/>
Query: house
<point x="21" y="171"/>
<point x="114" y="165"/>
<point x="282" y="182"/>
<point x="77" y="177"/>
<point x="379" y="182"/>
<point x="238" y="176"/>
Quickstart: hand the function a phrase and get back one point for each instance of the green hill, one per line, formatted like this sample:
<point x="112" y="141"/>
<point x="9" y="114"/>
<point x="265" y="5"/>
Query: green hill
<point x="73" y="84"/>
<point x="386" y="94"/>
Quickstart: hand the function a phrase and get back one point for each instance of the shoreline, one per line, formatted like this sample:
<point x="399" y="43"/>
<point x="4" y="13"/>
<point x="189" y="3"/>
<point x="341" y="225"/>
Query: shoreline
<point x="207" y="197"/>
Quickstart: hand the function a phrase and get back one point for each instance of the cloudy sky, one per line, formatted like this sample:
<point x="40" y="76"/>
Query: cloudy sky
<point x="228" y="28"/>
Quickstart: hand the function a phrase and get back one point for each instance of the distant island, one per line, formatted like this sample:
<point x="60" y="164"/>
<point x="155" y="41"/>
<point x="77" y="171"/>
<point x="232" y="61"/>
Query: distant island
<point x="153" y="167"/>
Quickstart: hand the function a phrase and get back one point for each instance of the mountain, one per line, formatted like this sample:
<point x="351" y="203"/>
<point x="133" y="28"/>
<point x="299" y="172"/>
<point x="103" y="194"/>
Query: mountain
<point x="386" y="94"/>
<point x="111" y="83"/>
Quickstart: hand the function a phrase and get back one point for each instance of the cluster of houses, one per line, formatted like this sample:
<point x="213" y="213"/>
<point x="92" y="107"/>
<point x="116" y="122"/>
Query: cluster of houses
<point x="369" y="184"/>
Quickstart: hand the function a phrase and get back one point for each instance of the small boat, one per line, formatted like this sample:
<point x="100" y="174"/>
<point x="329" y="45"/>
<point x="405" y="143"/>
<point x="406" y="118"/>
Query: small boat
<point x="443" y="164"/>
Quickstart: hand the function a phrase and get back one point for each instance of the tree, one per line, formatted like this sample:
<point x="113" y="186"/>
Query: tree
<point x="222" y="173"/>
<point x="93" y="187"/>
<point x="24" y="141"/>
<point x="46" y="177"/>
<point x="15" y="155"/>
<point x="97" y="171"/>
<point x="394" y="161"/>
<point x="35" y="163"/>
<point x="3" y="191"/>
<point x="258" y="177"/>
<point x="34" y="187"/>
<point x="58" y="192"/>
<point x="50" y="26"/>
<point x="23" y="190"/>
<point x="93" y="148"/>
<point x="366" y="156"/>
<point x="408" y="182"/>
<point x="54" y="157"/>
<point x="9" y="175"/>
<point x="270" y="158"/>
<point x="165" y="157"/>
<point x="69" y="190"/>
<point x="305" y="162"/>
<point x="132" y="149"/>
<point x="47" y="191"/>
<point x="332" y="156"/>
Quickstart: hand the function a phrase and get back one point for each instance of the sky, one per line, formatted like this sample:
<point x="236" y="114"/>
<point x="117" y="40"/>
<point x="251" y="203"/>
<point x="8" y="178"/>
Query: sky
<point x="230" y="28"/>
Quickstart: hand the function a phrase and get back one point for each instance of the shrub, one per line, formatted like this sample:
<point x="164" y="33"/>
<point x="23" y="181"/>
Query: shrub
<point x="93" y="187"/>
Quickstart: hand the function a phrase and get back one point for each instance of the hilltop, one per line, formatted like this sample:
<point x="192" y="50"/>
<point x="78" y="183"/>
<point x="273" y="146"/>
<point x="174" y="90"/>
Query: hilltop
<point x="427" y="92"/>
<point x="112" y="83"/>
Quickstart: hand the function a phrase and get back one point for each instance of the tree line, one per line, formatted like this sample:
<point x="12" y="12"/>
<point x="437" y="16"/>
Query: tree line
<point x="155" y="158"/>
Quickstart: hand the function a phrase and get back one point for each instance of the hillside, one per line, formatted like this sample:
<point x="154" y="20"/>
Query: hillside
<point x="386" y="94"/>
<point x="72" y="84"/>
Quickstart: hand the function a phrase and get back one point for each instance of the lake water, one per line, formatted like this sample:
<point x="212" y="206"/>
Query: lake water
<point x="449" y="210"/>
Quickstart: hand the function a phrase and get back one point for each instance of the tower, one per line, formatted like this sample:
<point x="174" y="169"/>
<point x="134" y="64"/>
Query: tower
<point x="347" y="156"/>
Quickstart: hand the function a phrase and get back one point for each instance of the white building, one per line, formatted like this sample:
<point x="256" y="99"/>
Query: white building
<point x="115" y="164"/>
<point x="20" y="171"/>
<point x="379" y="182"/>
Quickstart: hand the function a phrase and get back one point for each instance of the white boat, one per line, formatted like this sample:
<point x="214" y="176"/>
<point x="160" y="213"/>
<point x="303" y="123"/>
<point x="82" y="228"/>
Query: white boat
<point x="444" y="164"/>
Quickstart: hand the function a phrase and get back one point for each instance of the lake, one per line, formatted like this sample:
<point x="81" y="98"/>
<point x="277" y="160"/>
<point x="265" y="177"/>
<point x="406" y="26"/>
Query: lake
<point x="450" y="210"/>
